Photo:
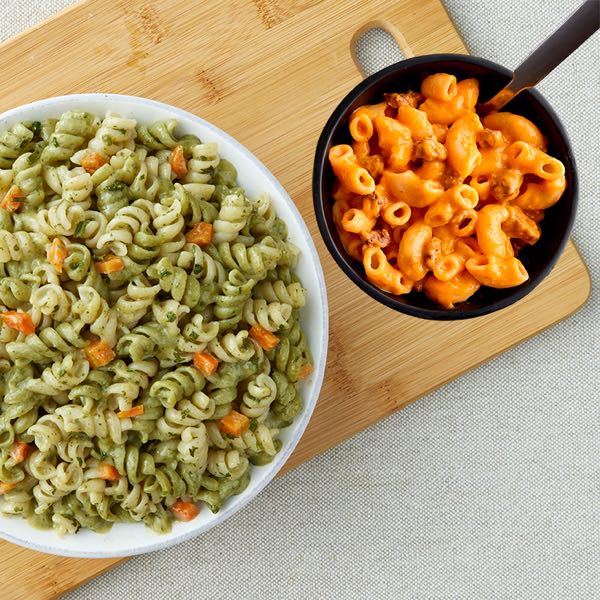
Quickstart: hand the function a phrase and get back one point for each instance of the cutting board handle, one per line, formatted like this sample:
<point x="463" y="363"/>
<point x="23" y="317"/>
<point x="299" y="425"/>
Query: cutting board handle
<point x="388" y="27"/>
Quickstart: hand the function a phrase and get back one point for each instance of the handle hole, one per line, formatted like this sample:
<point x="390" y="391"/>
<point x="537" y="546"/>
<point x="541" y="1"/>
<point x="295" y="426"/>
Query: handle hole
<point x="377" y="46"/>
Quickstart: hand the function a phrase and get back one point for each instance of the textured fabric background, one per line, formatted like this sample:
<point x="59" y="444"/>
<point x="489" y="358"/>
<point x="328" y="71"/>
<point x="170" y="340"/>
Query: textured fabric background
<point x="488" y="488"/>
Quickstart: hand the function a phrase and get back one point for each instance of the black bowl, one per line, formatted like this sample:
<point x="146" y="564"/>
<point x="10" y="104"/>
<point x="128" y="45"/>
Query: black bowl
<point x="408" y="74"/>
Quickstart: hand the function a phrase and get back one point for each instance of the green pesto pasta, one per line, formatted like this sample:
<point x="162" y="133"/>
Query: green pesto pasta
<point x="87" y="440"/>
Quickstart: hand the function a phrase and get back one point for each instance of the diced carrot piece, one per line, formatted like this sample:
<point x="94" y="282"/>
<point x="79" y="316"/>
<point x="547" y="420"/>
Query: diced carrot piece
<point x="19" y="451"/>
<point x="206" y="363"/>
<point x="21" y="321"/>
<point x="134" y="411"/>
<point x="305" y="371"/>
<point x="6" y="487"/>
<point x="8" y="202"/>
<point x="234" y="423"/>
<point x="57" y="254"/>
<point x="177" y="161"/>
<point x="184" y="511"/>
<point x="108" y="472"/>
<point x="200" y="234"/>
<point x="99" y="353"/>
<point x="92" y="161"/>
<point x="110" y="264"/>
<point x="265" y="339"/>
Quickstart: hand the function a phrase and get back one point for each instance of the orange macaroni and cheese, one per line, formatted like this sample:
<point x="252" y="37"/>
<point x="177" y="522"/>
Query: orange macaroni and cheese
<point x="432" y="197"/>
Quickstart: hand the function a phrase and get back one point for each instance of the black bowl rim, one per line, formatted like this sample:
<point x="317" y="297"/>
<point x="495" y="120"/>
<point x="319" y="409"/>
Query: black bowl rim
<point x="343" y="260"/>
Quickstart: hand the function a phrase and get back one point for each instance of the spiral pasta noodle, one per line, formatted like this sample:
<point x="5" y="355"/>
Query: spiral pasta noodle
<point x="12" y="143"/>
<point x="20" y="244"/>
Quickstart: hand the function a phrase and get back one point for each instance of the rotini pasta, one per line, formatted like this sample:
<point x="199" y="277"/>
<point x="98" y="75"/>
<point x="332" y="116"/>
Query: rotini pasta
<point x="150" y="344"/>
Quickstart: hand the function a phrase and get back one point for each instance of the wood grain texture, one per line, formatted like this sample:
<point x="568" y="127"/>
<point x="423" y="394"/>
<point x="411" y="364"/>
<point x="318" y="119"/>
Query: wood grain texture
<point x="270" y="76"/>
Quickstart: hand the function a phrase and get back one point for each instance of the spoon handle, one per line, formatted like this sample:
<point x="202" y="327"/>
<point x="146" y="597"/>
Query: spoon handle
<point x="565" y="40"/>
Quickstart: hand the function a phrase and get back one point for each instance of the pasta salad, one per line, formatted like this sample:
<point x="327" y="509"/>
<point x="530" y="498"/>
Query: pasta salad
<point x="150" y="343"/>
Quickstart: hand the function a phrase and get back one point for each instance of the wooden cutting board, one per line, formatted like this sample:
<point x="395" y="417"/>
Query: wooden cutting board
<point x="269" y="72"/>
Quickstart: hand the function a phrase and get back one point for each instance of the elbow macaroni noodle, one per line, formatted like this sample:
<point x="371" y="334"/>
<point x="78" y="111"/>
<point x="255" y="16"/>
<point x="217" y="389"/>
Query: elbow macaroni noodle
<point x="431" y="197"/>
<point x="146" y="414"/>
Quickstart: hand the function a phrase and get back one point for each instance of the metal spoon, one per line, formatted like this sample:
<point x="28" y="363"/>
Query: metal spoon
<point x="565" y="40"/>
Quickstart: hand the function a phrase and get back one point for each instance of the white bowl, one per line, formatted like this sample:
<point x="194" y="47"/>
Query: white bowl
<point x="254" y="177"/>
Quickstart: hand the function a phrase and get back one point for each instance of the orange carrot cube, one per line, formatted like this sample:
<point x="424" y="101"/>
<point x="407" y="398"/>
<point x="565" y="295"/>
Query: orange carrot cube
<point x="266" y="340"/>
<point x="19" y="451"/>
<point x="206" y="363"/>
<point x="177" y="162"/>
<point x="234" y="423"/>
<point x="108" y="472"/>
<point x="110" y="264"/>
<point x="305" y="371"/>
<point x="200" y="234"/>
<point x="92" y="161"/>
<point x="21" y="321"/>
<point x="99" y="353"/>
<point x="8" y="202"/>
<point x="134" y="411"/>
<point x="57" y="254"/>
<point x="184" y="511"/>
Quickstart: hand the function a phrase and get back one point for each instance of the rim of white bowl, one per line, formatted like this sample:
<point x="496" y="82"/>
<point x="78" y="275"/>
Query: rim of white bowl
<point x="236" y="503"/>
